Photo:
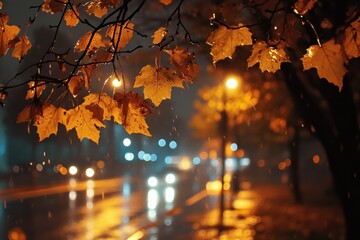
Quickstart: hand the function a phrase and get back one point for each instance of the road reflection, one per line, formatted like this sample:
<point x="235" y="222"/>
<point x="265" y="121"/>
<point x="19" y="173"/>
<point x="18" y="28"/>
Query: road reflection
<point x="118" y="208"/>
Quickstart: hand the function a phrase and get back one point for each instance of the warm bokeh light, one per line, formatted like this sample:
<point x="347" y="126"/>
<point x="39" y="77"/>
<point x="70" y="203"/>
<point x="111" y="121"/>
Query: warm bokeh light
<point x="100" y="164"/>
<point x="89" y="172"/>
<point x="116" y="83"/>
<point x="63" y="171"/>
<point x="73" y="170"/>
<point x="316" y="159"/>
<point x="231" y="83"/>
<point x="281" y="165"/>
<point x="261" y="163"/>
<point x="287" y="162"/>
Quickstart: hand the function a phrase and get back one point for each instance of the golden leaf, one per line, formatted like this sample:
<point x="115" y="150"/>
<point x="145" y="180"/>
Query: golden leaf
<point x="29" y="112"/>
<point x="120" y="35"/>
<point x="35" y="88"/>
<point x="71" y="18"/>
<point x="159" y="35"/>
<point x="328" y="61"/>
<point x="106" y="103"/>
<point x="83" y="42"/>
<point x="182" y="60"/>
<point x="7" y="33"/>
<point x="21" y="47"/>
<point x="224" y="41"/>
<point x="351" y="41"/>
<point x="103" y="55"/>
<point x="86" y="126"/>
<point x="95" y="7"/>
<point x="87" y="71"/>
<point x="53" y="6"/>
<point x="303" y="6"/>
<point x="75" y="85"/>
<point x="166" y="2"/>
<point x="132" y="110"/>
<point x="47" y="123"/>
<point x="269" y="58"/>
<point x="157" y="83"/>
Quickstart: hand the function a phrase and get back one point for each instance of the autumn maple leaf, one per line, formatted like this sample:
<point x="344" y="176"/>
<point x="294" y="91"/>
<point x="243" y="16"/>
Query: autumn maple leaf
<point x="303" y="6"/>
<point x="47" y="123"/>
<point x="85" y="124"/>
<point x="183" y="61"/>
<point x="35" y="88"/>
<point x="351" y="42"/>
<point x="106" y="103"/>
<point x="71" y="18"/>
<point x="53" y="6"/>
<point x="95" y="42"/>
<point x="75" y="84"/>
<point x="7" y="33"/>
<point x="131" y="111"/>
<point x="21" y="47"/>
<point x="269" y="58"/>
<point x="157" y="83"/>
<point x="120" y="34"/>
<point x="328" y="61"/>
<point x="159" y="35"/>
<point x="224" y="41"/>
<point x="96" y="7"/>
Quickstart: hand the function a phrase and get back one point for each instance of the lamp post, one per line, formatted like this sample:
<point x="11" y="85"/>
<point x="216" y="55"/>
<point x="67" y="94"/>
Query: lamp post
<point x="230" y="83"/>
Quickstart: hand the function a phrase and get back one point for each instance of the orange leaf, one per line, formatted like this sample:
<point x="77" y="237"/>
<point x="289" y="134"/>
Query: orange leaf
<point x="96" y="7"/>
<point x="53" y="6"/>
<point x="102" y="55"/>
<point x="109" y="3"/>
<point x="269" y="58"/>
<point x="106" y="103"/>
<point x="157" y="83"/>
<point x="159" y="35"/>
<point x="120" y="35"/>
<point x="21" y="47"/>
<point x="224" y="41"/>
<point x="71" y="18"/>
<point x="87" y="72"/>
<point x="132" y="110"/>
<point x="83" y="42"/>
<point x="86" y="126"/>
<point x="351" y="41"/>
<point x="328" y="61"/>
<point x="182" y="60"/>
<point x="29" y="112"/>
<point x="1" y="5"/>
<point x="7" y="33"/>
<point x="303" y="6"/>
<point x="47" y="123"/>
<point x="166" y="2"/>
<point x="97" y="111"/>
<point x="75" y="85"/>
<point x="35" y="88"/>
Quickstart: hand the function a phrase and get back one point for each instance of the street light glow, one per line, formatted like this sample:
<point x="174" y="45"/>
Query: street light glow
<point x="116" y="83"/>
<point x="231" y="83"/>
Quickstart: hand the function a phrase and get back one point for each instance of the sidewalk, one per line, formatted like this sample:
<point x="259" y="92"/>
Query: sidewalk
<point x="269" y="213"/>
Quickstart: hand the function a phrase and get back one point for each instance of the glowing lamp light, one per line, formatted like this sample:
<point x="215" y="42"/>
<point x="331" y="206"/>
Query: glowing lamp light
<point x="231" y="83"/>
<point x="116" y="83"/>
<point x="73" y="170"/>
<point x="89" y="172"/>
<point x="152" y="182"/>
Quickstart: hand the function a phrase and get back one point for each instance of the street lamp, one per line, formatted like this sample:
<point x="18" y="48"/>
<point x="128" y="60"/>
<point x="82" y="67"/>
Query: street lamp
<point x="231" y="83"/>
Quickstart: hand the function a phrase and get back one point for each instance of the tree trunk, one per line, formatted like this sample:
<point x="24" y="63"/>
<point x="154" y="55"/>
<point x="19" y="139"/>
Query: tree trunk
<point x="338" y="132"/>
<point x="294" y="167"/>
